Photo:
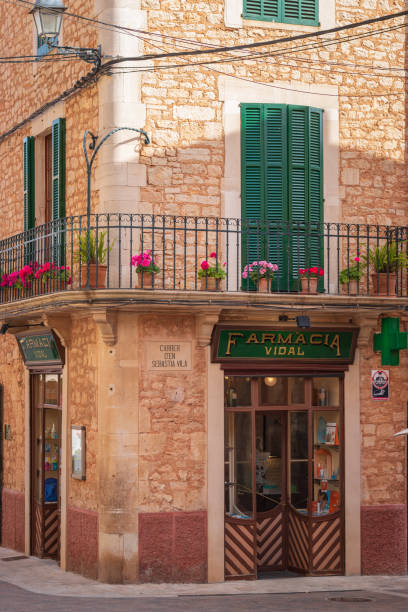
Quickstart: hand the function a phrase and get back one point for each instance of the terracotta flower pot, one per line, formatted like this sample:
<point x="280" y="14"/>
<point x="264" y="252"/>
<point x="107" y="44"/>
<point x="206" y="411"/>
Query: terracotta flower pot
<point x="147" y="278"/>
<point x="308" y="285"/>
<point x="384" y="284"/>
<point x="97" y="276"/>
<point x="350" y="288"/>
<point x="209" y="283"/>
<point x="263" y="285"/>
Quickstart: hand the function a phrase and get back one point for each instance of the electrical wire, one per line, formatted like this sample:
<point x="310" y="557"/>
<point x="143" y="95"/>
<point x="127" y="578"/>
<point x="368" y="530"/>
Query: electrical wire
<point x="221" y="49"/>
<point x="250" y="57"/>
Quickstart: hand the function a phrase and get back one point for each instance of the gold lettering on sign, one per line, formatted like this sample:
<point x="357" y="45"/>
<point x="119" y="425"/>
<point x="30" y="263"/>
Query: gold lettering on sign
<point x="336" y="343"/>
<point x="268" y="338"/>
<point x="268" y="349"/>
<point x="300" y="339"/>
<point x="252" y="338"/>
<point x="300" y="352"/>
<point x="232" y="340"/>
<point x="326" y="340"/>
<point x="283" y="340"/>
<point x="282" y="350"/>
<point x="316" y="339"/>
<point x="291" y="350"/>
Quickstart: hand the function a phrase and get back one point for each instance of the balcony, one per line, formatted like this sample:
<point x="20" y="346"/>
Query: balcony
<point x="58" y="257"/>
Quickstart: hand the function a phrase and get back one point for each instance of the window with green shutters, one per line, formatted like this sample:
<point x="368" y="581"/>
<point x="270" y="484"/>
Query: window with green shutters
<point x="29" y="195"/>
<point x="282" y="188"/>
<point x="57" y="178"/>
<point x="284" y="11"/>
<point x="58" y="187"/>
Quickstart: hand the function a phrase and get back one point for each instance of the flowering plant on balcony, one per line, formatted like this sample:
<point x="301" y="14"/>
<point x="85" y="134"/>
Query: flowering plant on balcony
<point x="260" y="269"/>
<point x="212" y="270"/>
<point x="19" y="279"/>
<point x="23" y="278"/>
<point x="145" y="262"/>
<point x="313" y="272"/>
<point x="50" y="271"/>
<point x="354" y="271"/>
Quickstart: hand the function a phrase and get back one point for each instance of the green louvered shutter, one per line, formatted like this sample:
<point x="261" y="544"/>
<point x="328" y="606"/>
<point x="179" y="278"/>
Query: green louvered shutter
<point x="264" y="186"/>
<point x="29" y="197"/>
<point x="276" y="190"/>
<point x="58" y="185"/>
<point x="253" y="193"/>
<point x="262" y="9"/>
<point x="29" y="185"/>
<point x="285" y="11"/>
<point x="315" y="207"/>
<point x="305" y="187"/>
<point x="301" y="11"/>
<point x="309" y="12"/>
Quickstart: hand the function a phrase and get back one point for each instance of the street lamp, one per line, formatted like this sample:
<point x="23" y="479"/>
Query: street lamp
<point x="48" y="20"/>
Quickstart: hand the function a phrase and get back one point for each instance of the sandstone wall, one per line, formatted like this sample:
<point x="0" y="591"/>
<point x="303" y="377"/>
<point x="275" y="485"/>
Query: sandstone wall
<point x="12" y="378"/>
<point x="82" y="409"/>
<point x="184" y="114"/>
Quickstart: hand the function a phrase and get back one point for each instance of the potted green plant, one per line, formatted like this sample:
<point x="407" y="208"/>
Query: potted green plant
<point x="386" y="260"/>
<point x="351" y="276"/>
<point x="211" y="274"/>
<point x="91" y="255"/>
<point x="146" y="267"/>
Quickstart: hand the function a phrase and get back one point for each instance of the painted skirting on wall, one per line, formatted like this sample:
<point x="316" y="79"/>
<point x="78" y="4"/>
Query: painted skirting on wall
<point x="384" y="539"/>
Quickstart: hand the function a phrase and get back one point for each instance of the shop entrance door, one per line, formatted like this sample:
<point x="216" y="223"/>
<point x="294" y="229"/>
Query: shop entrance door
<point x="283" y="474"/>
<point x="46" y="461"/>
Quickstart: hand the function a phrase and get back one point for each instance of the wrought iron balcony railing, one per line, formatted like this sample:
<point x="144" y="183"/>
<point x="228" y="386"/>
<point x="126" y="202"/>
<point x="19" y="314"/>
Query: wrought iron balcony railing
<point x="189" y="252"/>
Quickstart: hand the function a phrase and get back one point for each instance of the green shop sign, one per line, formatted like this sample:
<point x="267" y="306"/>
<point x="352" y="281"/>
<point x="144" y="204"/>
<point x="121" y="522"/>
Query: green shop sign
<point x="39" y="349"/>
<point x="318" y="345"/>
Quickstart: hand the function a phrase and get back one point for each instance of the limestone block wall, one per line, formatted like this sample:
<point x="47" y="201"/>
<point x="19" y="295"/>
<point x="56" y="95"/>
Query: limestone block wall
<point x="25" y="88"/>
<point x="12" y="379"/>
<point x="185" y="164"/>
<point x="152" y="451"/>
<point x="83" y="496"/>
<point x="383" y="468"/>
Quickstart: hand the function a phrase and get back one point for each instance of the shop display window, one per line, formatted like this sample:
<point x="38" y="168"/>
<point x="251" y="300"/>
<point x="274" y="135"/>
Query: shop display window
<point x="237" y="391"/>
<point x="326" y="462"/>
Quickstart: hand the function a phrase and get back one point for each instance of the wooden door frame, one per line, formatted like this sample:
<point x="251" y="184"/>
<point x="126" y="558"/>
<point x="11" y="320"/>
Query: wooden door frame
<point x="33" y="408"/>
<point x="256" y="408"/>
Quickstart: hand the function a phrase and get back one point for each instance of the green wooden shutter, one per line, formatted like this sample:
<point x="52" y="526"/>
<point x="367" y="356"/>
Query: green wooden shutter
<point x="253" y="192"/>
<point x="267" y="10"/>
<point x="309" y="12"/>
<point x="58" y="168"/>
<point x="315" y="208"/>
<point x="285" y="11"/>
<point x="29" y="197"/>
<point x="276" y="190"/>
<point x="28" y="182"/>
<point x="305" y="187"/>
<point x="58" y="187"/>
<point x="264" y="185"/>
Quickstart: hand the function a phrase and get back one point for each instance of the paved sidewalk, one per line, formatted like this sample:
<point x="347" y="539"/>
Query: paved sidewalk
<point x="43" y="576"/>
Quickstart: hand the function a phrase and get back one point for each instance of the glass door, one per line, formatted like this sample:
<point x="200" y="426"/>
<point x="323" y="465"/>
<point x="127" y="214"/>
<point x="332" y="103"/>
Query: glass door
<point x="283" y="475"/>
<point x="46" y="464"/>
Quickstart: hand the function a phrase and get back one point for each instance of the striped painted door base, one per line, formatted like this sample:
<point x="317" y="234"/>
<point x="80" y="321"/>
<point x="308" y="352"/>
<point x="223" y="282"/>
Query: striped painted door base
<point x="298" y="541"/>
<point x="240" y="559"/>
<point x="269" y="540"/>
<point x="327" y="549"/>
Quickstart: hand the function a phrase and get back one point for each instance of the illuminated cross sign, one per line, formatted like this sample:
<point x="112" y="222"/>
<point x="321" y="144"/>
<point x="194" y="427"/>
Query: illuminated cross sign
<point x="390" y="341"/>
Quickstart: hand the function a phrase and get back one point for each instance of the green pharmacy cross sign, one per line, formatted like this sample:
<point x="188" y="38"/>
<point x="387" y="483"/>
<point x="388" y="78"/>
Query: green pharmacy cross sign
<point x="390" y="341"/>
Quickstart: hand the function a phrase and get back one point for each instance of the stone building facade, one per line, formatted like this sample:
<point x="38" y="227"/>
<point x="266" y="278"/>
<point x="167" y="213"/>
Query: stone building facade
<point x="151" y="506"/>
